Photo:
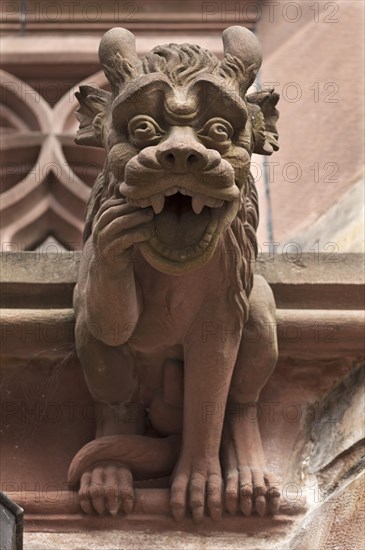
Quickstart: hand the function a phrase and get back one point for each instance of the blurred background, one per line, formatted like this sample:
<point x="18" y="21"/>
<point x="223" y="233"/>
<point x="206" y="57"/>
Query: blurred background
<point x="311" y="191"/>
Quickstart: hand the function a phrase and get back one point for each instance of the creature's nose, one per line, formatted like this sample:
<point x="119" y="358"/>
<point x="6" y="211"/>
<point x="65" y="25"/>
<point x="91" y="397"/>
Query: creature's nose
<point x="180" y="159"/>
<point x="181" y="152"/>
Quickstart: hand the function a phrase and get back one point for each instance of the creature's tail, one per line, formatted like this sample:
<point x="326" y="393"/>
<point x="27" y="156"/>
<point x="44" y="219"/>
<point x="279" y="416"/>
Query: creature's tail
<point x="146" y="457"/>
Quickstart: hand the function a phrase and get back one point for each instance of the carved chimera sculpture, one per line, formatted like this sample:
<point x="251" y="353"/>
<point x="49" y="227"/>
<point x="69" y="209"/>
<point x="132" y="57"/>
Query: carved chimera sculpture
<point x="166" y="296"/>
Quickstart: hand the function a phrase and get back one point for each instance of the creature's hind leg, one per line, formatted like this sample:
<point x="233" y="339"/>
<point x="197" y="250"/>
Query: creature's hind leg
<point x="248" y="483"/>
<point x="112" y="381"/>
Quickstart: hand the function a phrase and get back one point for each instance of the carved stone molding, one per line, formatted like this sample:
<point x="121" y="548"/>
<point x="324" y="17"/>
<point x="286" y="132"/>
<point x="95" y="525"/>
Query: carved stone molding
<point x="152" y="16"/>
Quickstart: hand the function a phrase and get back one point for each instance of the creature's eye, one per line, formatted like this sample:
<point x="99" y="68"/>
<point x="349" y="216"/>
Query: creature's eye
<point x="143" y="130"/>
<point x="217" y="132"/>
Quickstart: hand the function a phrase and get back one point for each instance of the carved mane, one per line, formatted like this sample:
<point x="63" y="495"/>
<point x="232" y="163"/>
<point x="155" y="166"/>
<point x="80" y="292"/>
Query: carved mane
<point x="180" y="63"/>
<point x="239" y="251"/>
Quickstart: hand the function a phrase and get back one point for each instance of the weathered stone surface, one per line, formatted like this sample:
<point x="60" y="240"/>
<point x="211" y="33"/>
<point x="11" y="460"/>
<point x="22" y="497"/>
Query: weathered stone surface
<point x="335" y="457"/>
<point x="340" y="421"/>
<point x="337" y="523"/>
<point x="146" y="540"/>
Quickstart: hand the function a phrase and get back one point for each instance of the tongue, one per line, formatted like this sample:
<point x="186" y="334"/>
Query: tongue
<point x="181" y="229"/>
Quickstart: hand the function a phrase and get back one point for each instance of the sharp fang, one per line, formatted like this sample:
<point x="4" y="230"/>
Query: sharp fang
<point x="158" y="202"/>
<point x="171" y="191"/>
<point x="197" y="203"/>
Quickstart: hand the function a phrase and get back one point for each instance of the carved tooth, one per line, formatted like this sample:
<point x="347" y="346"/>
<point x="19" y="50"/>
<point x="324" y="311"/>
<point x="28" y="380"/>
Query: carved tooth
<point x="158" y="202"/>
<point x="171" y="191"/>
<point x="197" y="203"/>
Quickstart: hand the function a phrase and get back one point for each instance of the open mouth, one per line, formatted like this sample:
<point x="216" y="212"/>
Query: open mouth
<point x="186" y="224"/>
<point x="174" y="196"/>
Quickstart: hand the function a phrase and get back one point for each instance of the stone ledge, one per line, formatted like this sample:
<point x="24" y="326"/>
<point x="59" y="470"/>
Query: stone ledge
<point x="314" y="281"/>
<point x="151" y="509"/>
<point x="317" y="334"/>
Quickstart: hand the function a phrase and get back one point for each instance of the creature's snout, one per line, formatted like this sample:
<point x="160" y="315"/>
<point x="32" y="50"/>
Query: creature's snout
<point x="181" y="152"/>
<point x="180" y="162"/>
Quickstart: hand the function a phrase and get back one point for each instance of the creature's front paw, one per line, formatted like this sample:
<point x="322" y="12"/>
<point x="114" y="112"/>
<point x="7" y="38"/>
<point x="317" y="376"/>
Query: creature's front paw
<point x="196" y="484"/>
<point x="107" y="489"/>
<point x="250" y="488"/>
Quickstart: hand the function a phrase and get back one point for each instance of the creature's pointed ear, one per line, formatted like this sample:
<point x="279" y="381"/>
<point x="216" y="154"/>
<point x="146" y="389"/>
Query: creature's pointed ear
<point x="91" y="114"/>
<point x="264" y="115"/>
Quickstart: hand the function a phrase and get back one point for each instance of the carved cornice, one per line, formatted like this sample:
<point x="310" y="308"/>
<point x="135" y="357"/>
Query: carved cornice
<point x="148" y="16"/>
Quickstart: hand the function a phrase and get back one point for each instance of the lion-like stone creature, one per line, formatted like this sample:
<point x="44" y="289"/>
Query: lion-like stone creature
<point x="166" y="300"/>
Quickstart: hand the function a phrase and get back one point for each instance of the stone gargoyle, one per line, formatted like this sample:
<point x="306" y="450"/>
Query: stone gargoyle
<point x="166" y="289"/>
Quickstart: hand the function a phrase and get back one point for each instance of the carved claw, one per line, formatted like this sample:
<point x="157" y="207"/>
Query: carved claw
<point x="248" y="490"/>
<point x="195" y="489"/>
<point x="107" y="489"/>
<point x="273" y="494"/>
